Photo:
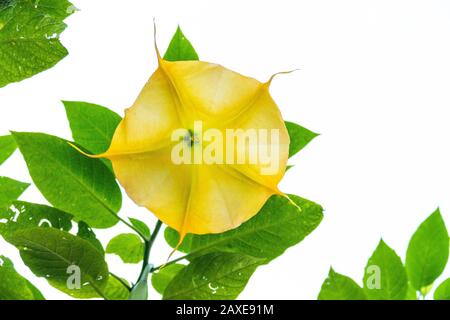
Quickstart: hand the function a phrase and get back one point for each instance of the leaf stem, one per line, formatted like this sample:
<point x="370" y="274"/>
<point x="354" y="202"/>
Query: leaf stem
<point x="121" y="281"/>
<point x="170" y="262"/>
<point x="129" y="225"/>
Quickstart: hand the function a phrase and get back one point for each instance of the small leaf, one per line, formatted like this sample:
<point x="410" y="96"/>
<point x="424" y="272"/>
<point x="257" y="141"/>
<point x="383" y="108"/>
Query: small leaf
<point x="70" y="181"/>
<point x="180" y="48"/>
<point x="92" y="126"/>
<point x="58" y="256"/>
<point x="215" y="276"/>
<point x="278" y="226"/>
<point x="29" y="34"/>
<point x="443" y="291"/>
<point x="10" y="190"/>
<point x="13" y="286"/>
<point x="340" y="287"/>
<point x="7" y="147"/>
<point x="129" y="247"/>
<point x="115" y="290"/>
<point x="299" y="136"/>
<point x="162" y="277"/>
<point x="24" y="215"/>
<point x="427" y="252"/>
<point x="85" y="232"/>
<point x="141" y="226"/>
<point x="384" y="276"/>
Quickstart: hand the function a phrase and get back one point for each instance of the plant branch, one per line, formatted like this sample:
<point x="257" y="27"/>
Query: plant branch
<point x="147" y="249"/>
<point x="170" y="262"/>
<point x="129" y="225"/>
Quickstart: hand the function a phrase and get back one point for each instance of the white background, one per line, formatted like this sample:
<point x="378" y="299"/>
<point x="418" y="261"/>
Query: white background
<point x="374" y="81"/>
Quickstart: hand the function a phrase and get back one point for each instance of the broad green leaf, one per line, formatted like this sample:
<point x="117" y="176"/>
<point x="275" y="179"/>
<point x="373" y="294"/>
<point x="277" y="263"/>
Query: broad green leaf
<point x="299" y="136"/>
<point x="141" y="226"/>
<point x="10" y="190"/>
<point x="278" y="226"/>
<point x="24" y="215"/>
<point x="7" y="147"/>
<point x="443" y="291"/>
<point x="129" y="247"/>
<point x="180" y="48"/>
<point x="59" y="257"/>
<point x="162" y="277"/>
<point x="13" y="286"/>
<point x="70" y="181"/>
<point x="92" y="126"/>
<point x="340" y="287"/>
<point x="29" y="37"/>
<point x="385" y="276"/>
<point x="85" y="232"/>
<point x="427" y="252"/>
<point x="215" y="276"/>
<point x="115" y="290"/>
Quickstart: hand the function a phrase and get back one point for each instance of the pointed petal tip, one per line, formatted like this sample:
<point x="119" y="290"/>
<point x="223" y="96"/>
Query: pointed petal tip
<point x="158" y="55"/>
<point x="85" y="153"/>
<point x="268" y="83"/>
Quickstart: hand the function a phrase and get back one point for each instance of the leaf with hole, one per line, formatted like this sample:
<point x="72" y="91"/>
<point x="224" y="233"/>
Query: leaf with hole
<point x="29" y="37"/>
<point x="69" y="263"/>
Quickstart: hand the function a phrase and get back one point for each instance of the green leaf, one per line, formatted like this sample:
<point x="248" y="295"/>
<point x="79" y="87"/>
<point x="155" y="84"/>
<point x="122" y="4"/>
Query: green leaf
<point x="71" y="181"/>
<point x="278" y="226"/>
<point x="443" y="291"/>
<point x="384" y="276"/>
<point x="299" y="136"/>
<point x="115" y="290"/>
<point x="162" y="277"/>
<point x="7" y="147"/>
<point x="129" y="247"/>
<point x="340" y="287"/>
<point x="29" y="37"/>
<point x="92" y="126"/>
<point x="411" y="294"/>
<point x="141" y="226"/>
<point x="10" y="190"/>
<point x="85" y="232"/>
<point x="13" y="286"/>
<point x="180" y="48"/>
<point x="212" y="277"/>
<point x="59" y="257"/>
<point x="24" y="215"/>
<point x="427" y="252"/>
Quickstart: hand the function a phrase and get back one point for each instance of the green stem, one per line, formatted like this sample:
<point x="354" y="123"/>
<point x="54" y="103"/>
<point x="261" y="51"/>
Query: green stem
<point x="121" y="281"/>
<point x="148" y="244"/>
<point x="170" y="262"/>
<point x="129" y="225"/>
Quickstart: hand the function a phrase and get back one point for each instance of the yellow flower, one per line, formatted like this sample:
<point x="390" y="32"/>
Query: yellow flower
<point x="189" y="110"/>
